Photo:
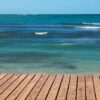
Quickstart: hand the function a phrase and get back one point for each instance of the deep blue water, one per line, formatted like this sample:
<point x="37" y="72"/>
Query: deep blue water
<point x="50" y="43"/>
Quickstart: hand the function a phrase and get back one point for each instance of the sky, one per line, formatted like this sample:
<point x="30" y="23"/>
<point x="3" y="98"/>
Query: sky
<point x="49" y="6"/>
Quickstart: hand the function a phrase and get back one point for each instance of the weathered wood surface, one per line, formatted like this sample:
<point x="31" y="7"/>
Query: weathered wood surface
<point x="49" y="87"/>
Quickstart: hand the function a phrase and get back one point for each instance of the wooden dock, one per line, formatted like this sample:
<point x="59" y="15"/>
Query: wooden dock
<point x="49" y="87"/>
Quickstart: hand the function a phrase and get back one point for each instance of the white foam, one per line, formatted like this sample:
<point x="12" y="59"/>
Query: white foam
<point x="65" y="44"/>
<point x="85" y="23"/>
<point x="41" y="33"/>
<point x="88" y="27"/>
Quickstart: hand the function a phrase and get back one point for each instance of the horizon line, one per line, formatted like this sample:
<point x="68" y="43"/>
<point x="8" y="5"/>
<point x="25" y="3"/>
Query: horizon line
<point x="46" y="14"/>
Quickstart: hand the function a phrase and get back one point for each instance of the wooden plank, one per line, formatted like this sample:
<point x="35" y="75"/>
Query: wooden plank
<point x="33" y="94"/>
<point x="64" y="88"/>
<point x="12" y="87"/>
<point x="97" y="86"/>
<point x="9" y="82"/>
<point x="90" y="95"/>
<point x="72" y="88"/>
<point x="49" y="87"/>
<point x="55" y="87"/>
<point x="18" y="90"/>
<point x="43" y="94"/>
<point x="2" y="75"/>
<point x="29" y="87"/>
<point x="5" y="79"/>
<point x="81" y="88"/>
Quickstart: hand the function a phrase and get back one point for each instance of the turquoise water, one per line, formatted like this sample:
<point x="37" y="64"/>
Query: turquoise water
<point x="71" y="43"/>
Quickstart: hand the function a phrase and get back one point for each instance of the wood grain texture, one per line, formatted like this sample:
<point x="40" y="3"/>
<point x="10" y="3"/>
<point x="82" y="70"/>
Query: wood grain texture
<point x="90" y="94"/>
<point x="35" y="91"/>
<point x="43" y="94"/>
<point x="19" y="89"/>
<point x="97" y="86"/>
<point x="64" y="88"/>
<point x="55" y="87"/>
<point x="28" y="88"/>
<point x="81" y="88"/>
<point x="72" y="88"/>
<point x="49" y="87"/>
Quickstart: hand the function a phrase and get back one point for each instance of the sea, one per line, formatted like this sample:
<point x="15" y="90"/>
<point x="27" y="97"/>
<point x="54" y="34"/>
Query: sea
<point x="50" y="43"/>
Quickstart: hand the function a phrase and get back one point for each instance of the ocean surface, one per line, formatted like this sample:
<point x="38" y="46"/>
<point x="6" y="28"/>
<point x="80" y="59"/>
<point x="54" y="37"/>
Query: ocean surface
<point x="50" y="43"/>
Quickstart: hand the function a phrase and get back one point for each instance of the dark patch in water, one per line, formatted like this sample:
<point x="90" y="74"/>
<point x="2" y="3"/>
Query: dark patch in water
<point x="64" y="65"/>
<point x="71" y="66"/>
<point x="2" y="35"/>
<point x="1" y="66"/>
